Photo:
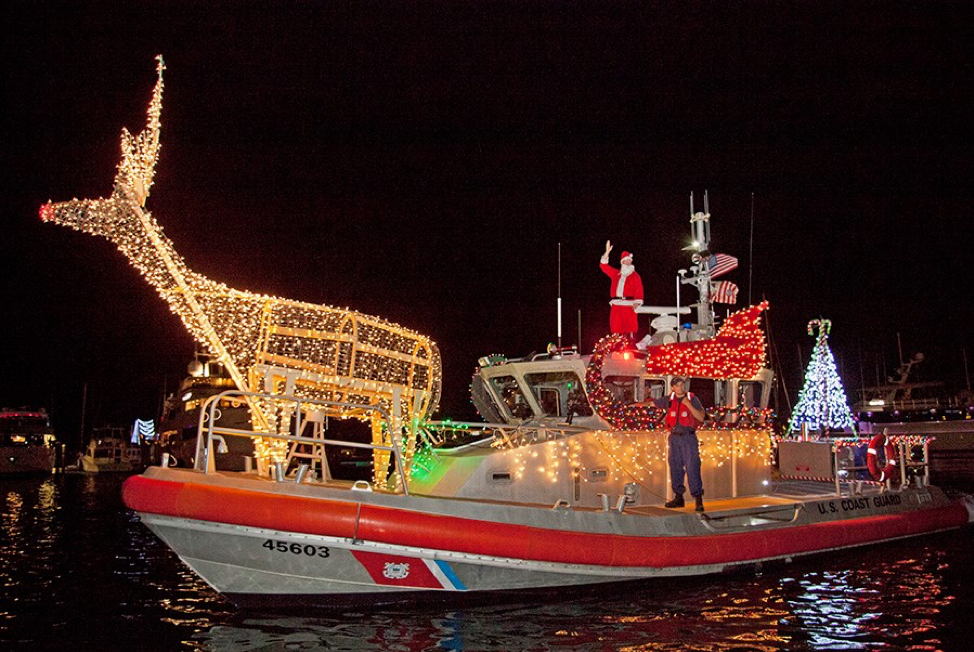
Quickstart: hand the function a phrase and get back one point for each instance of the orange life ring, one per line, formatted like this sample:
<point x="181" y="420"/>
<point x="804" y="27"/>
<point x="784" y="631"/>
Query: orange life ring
<point x="871" y="460"/>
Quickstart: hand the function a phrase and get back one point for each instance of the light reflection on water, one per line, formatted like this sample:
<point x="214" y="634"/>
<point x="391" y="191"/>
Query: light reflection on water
<point x="78" y="570"/>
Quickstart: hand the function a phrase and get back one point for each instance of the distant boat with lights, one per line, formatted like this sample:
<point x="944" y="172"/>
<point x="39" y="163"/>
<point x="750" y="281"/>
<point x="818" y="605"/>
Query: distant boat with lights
<point x="178" y="429"/>
<point x="904" y="406"/>
<point x="111" y="451"/>
<point x="27" y="442"/>
<point x="561" y="486"/>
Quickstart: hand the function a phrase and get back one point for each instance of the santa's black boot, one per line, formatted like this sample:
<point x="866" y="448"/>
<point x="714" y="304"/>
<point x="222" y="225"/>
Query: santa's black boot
<point x="676" y="502"/>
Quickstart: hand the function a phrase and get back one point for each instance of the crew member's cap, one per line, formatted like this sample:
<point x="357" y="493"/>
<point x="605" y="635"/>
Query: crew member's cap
<point x="675" y="380"/>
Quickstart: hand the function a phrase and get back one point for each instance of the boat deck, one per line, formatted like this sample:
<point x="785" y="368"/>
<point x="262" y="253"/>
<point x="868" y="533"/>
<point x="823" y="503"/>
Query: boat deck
<point x="782" y="493"/>
<point x="719" y="505"/>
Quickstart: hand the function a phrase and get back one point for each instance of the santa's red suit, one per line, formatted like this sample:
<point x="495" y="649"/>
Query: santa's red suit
<point x="626" y="291"/>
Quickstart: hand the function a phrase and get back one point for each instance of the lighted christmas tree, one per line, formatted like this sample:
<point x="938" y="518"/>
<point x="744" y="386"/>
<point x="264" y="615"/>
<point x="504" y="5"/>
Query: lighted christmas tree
<point x="822" y="403"/>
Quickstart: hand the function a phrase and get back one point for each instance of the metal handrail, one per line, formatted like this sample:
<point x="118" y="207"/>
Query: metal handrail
<point x="506" y="432"/>
<point x="205" y="433"/>
<point x="708" y="520"/>
<point x="904" y="463"/>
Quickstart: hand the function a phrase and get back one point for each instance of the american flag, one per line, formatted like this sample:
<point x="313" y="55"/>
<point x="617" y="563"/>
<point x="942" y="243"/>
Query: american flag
<point x="720" y="264"/>
<point x="724" y="292"/>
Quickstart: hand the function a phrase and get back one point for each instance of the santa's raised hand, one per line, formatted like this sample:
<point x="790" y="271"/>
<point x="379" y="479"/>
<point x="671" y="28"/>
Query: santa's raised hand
<point x="608" y="248"/>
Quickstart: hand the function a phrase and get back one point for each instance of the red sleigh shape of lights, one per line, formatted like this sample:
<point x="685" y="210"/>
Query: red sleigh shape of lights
<point x="737" y="351"/>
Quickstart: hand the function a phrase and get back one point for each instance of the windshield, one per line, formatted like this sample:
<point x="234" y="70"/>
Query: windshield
<point x="511" y="396"/>
<point x="559" y="393"/>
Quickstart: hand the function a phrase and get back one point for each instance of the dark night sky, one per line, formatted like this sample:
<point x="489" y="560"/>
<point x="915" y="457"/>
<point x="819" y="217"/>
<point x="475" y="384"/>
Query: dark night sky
<point x="422" y="162"/>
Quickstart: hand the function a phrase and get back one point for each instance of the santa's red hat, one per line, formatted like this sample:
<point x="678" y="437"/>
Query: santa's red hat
<point x="625" y="254"/>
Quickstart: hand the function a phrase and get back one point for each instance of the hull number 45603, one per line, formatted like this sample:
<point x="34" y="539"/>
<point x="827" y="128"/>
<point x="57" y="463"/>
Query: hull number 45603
<point x="296" y="548"/>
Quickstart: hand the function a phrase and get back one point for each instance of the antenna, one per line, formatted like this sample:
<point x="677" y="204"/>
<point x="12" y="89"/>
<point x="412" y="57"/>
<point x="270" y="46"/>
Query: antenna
<point x="559" y="295"/>
<point x="579" y="331"/>
<point x="706" y="225"/>
<point x="700" y="226"/>
<point x="678" y="278"/>
<point x="750" y="256"/>
<point x="967" y="374"/>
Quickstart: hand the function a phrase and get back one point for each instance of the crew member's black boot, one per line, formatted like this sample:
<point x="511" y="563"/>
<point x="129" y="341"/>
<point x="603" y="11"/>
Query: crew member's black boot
<point x="676" y="502"/>
<point x="699" y="503"/>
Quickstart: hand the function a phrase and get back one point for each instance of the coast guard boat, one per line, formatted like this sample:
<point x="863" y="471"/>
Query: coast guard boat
<point x="561" y="486"/>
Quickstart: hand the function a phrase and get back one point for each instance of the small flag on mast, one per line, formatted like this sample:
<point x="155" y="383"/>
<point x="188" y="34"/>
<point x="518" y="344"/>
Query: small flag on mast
<point x="724" y="292"/>
<point x="720" y="264"/>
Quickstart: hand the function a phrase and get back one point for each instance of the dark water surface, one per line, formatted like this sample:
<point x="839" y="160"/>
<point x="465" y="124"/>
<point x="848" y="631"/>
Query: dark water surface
<point x="79" y="572"/>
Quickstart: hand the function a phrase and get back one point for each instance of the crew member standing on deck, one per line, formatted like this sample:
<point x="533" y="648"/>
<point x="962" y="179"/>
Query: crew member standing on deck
<point x="684" y="413"/>
<point x="626" y="292"/>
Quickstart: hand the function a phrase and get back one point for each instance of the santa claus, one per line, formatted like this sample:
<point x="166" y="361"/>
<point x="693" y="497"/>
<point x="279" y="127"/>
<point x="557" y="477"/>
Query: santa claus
<point x="626" y="292"/>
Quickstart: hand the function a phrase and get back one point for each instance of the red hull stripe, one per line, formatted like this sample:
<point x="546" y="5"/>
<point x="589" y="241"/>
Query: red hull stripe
<point x="423" y="530"/>
<point x="240" y="507"/>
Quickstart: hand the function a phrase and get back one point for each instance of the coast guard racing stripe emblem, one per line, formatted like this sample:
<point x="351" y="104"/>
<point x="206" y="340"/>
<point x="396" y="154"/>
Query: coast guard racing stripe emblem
<point x="411" y="572"/>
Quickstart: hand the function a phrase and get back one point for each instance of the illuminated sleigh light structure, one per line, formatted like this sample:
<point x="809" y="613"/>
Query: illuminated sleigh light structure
<point x="736" y="352"/>
<point x="536" y="500"/>
<point x="270" y="346"/>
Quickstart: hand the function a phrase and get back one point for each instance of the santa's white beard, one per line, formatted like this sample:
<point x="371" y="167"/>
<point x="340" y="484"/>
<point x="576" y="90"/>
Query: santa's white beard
<point x="626" y="270"/>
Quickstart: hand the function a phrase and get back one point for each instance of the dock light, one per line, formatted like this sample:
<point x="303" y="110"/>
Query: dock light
<point x="877" y="402"/>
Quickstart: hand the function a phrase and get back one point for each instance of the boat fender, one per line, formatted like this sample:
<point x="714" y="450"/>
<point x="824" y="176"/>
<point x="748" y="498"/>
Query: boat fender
<point x="871" y="458"/>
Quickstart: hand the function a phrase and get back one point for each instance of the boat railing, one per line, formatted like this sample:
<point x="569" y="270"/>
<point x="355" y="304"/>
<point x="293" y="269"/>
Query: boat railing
<point x="208" y="430"/>
<point x="905" y="404"/>
<point x="903" y="462"/>
<point x="496" y="434"/>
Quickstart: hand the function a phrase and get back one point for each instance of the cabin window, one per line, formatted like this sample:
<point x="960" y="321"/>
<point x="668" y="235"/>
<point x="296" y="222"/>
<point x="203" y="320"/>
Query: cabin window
<point x="750" y="393"/>
<point x="705" y="389"/>
<point x="559" y="393"/>
<point x="598" y="475"/>
<point x="548" y="399"/>
<point x="623" y="388"/>
<point x="653" y="388"/>
<point x="514" y="401"/>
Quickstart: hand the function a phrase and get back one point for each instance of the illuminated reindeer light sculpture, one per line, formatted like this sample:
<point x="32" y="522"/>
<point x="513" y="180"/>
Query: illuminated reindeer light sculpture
<point x="268" y="344"/>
